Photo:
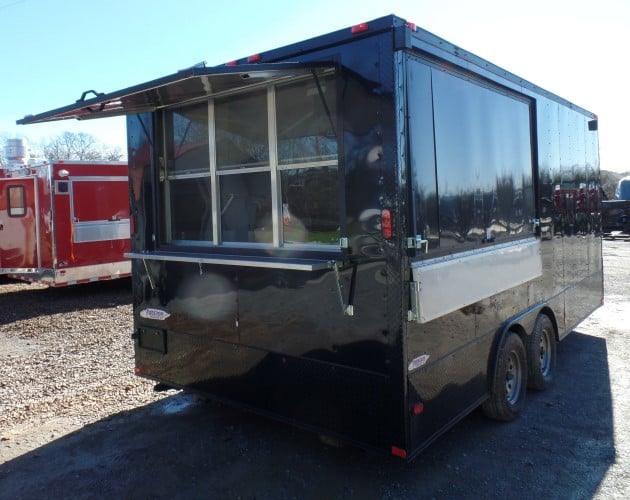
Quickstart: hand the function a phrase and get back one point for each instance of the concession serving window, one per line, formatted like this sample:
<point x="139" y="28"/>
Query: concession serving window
<point x="255" y="167"/>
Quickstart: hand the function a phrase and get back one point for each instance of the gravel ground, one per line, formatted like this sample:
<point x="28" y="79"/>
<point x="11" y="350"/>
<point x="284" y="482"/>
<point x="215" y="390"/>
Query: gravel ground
<point x="66" y="360"/>
<point x="76" y="423"/>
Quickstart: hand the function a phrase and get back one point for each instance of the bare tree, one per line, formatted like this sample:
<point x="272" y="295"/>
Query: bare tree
<point x="79" y="146"/>
<point x="54" y="150"/>
<point x="72" y="146"/>
<point x="114" y="154"/>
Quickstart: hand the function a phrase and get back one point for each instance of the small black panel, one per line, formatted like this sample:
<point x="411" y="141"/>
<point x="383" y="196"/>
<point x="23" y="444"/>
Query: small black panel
<point x="62" y="187"/>
<point x="153" y="339"/>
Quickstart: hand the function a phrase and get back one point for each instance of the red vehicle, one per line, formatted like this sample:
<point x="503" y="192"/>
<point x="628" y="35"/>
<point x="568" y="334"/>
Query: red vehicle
<point x="64" y="222"/>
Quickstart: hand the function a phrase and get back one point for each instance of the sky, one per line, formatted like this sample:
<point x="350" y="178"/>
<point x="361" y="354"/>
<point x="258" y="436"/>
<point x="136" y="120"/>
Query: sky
<point x="53" y="50"/>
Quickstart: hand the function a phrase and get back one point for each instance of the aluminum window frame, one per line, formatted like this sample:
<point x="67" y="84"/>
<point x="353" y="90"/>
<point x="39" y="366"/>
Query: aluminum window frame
<point x="274" y="168"/>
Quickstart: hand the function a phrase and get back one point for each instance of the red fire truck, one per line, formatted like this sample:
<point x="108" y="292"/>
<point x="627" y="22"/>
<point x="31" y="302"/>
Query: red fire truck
<point x="62" y="222"/>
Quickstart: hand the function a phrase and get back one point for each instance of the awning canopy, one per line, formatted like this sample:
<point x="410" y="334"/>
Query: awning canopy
<point x="186" y="85"/>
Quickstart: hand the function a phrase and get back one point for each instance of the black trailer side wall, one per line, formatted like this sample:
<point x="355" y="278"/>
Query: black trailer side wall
<point x="462" y="127"/>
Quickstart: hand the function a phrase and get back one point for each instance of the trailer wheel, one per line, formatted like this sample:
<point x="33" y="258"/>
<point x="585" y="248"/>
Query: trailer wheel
<point x="541" y="354"/>
<point x="509" y="380"/>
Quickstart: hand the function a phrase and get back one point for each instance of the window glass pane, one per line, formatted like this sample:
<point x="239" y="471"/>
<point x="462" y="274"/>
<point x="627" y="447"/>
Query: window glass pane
<point x="17" y="202"/>
<point x="246" y="214"/>
<point x="483" y="153"/>
<point x="241" y="131"/>
<point x="187" y="140"/>
<point x="191" y="209"/>
<point x="310" y="209"/>
<point x="306" y="120"/>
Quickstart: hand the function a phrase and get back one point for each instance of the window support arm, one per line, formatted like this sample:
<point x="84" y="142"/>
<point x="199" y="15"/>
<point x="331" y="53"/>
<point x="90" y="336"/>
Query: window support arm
<point x="346" y="309"/>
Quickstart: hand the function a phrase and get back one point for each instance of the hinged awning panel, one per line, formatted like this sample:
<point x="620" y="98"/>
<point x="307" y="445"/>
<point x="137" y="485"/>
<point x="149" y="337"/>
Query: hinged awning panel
<point x="183" y="86"/>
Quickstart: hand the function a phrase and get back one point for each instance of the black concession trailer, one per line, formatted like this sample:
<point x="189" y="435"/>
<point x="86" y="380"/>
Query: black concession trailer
<point x="368" y="234"/>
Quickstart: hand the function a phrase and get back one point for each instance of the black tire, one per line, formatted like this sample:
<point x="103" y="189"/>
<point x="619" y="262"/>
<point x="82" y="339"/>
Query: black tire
<point x="541" y="354"/>
<point x="508" y="384"/>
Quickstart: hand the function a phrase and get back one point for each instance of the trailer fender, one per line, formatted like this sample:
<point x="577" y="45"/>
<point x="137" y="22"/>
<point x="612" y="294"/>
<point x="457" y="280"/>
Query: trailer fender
<point x="523" y="323"/>
<point x="549" y="312"/>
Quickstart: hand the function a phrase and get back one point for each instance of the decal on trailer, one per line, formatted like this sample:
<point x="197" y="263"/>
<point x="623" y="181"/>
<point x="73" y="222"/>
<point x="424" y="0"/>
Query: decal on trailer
<point x="156" y="314"/>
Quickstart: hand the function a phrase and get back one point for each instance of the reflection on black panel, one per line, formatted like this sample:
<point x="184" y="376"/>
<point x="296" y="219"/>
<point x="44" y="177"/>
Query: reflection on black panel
<point x="569" y="188"/>
<point x="471" y="161"/>
<point x="422" y="154"/>
<point x="483" y="150"/>
<point x="363" y="113"/>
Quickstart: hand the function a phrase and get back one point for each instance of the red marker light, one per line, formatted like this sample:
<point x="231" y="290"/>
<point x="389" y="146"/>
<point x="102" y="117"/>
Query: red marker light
<point x="231" y="63"/>
<point x="399" y="452"/>
<point x="359" y="28"/>
<point x="387" y="229"/>
<point x="417" y="409"/>
<point x="411" y="26"/>
<point x="254" y="58"/>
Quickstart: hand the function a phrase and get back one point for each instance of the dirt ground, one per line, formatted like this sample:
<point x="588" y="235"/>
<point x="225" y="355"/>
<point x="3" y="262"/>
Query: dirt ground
<point x="572" y="441"/>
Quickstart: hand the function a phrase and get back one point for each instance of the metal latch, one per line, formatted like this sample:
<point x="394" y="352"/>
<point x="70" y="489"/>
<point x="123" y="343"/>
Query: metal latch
<point x="417" y="241"/>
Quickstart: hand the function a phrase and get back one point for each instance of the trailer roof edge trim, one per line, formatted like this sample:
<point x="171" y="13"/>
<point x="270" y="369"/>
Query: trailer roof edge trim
<point x="187" y="85"/>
